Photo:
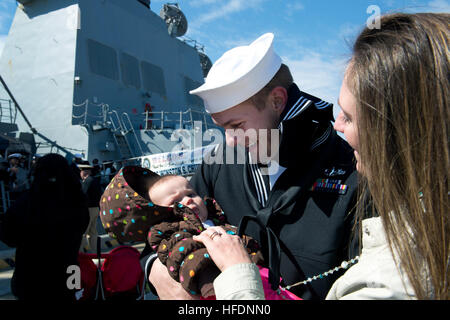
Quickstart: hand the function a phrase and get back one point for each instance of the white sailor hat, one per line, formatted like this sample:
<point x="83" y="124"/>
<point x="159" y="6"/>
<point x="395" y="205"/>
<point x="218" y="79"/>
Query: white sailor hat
<point x="85" y="165"/>
<point x="15" y="155"/>
<point x="239" y="74"/>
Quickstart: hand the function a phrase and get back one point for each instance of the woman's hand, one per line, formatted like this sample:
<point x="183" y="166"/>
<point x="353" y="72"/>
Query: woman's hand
<point x="224" y="249"/>
<point x="166" y="287"/>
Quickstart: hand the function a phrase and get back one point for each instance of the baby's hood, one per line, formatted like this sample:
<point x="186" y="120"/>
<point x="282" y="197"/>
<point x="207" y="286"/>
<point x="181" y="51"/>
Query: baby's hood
<point x="126" y="214"/>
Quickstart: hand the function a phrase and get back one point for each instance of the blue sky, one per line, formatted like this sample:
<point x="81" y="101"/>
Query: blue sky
<point x="313" y="37"/>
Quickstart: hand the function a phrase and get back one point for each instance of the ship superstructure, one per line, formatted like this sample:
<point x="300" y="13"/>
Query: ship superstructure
<point x="107" y="78"/>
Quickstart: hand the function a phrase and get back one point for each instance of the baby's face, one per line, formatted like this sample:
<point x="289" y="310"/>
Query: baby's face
<point x="178" y="189"/>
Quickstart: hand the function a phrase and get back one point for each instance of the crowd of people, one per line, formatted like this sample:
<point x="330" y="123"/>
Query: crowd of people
<point x="57" y="199"/>
<point x="365" y="217"/>
<point x="17" y="171"/>
<point x="16" y="174"/>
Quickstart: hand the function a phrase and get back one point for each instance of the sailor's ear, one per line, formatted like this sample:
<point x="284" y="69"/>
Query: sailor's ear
<point x="278" y="98"/>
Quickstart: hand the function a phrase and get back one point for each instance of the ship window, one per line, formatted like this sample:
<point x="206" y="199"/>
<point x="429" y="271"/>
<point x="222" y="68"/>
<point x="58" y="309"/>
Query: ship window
<point x="129" y="66"/>
<point x="189" y="85"/>
<point x="153" y="78"/>
<point x="103" y="60"/>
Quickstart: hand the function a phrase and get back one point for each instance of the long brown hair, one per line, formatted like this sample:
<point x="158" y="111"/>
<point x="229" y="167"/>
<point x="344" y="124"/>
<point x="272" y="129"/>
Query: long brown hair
<point x="400" y="76"/>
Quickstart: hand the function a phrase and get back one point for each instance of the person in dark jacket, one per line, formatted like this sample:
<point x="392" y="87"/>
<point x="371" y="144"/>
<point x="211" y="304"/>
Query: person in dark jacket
<point x="93" y="191"/>
<point x="45" y="226"/>
<point x="297" y="199"/>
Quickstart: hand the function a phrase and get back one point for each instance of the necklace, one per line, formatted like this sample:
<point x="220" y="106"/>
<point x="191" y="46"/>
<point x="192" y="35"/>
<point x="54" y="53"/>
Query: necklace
<point x="344" y="265"/>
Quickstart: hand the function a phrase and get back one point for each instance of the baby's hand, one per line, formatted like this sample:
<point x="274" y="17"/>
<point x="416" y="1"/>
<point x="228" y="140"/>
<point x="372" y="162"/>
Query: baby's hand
<point x="224" y="249"/>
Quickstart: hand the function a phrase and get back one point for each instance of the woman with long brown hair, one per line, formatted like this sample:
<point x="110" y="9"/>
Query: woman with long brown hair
<point x="395" y="114"/>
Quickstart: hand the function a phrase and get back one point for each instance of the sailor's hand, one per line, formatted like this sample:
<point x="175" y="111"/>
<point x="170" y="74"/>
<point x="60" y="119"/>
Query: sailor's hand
<point x="224" y="249"/>
<point x="166" y="287"/>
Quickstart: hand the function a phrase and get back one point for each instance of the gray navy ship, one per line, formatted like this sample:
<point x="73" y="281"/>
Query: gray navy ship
<point x="109" y="79"/>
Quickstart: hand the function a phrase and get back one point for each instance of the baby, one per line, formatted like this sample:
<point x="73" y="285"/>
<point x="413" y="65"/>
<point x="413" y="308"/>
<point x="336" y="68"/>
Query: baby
<point x="139" y="205"/>
<point x="170" y="189"/>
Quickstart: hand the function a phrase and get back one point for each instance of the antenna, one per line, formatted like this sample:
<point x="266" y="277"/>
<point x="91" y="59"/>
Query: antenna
<point x="175" y="19"/>
<point x="205" y="62"/>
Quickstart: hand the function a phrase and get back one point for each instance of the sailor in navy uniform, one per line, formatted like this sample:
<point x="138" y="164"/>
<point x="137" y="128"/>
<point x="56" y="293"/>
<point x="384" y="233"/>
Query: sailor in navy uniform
<point x="301" y="213"/>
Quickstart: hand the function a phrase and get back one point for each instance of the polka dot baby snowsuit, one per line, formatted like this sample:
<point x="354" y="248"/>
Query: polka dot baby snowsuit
<point x="128" y="216"/>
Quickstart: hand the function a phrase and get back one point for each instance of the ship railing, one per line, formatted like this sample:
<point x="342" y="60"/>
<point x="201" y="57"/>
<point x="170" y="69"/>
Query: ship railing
<point x="193" y="43"/>
<point x="118" y="126"/>
<point x="127" y="118"/>
<point x="101" y="112"/>
<point x="153" y="120"/>
<point x="8" y="111"/>
<point x="159" y="120"/>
